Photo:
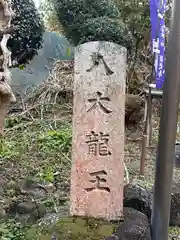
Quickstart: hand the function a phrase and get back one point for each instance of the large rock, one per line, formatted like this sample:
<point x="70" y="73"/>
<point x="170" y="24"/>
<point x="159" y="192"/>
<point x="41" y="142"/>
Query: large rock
<point x="140" y="198"/>
<point x="134" y="108"/>
<point x="135" y="226"/>
<point x="21" y="207"/>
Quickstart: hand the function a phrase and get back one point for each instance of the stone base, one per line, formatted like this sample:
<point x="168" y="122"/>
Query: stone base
<point x="135" y="226"/>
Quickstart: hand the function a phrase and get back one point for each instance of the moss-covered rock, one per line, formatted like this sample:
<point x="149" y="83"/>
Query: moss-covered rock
<point x="73" y="228"/>
<point x="77" y="228"/>
<point x="135" y="226"/>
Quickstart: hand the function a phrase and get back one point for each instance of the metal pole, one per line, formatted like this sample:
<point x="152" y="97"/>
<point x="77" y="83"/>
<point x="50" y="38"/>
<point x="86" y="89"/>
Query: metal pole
<point x="167" y="133"/>
<point x="145" y="136"/>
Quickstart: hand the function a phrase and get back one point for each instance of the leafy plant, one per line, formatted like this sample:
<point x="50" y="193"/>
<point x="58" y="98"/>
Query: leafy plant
<point x="47" y="174"/>
<point x="54" y="140"/>
<point x="6" y="149"/>
<point x="12" y="230"/>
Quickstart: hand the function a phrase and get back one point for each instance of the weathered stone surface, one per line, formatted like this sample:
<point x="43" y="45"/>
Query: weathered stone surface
<point x="138" y="197"/>
<point x="26" y="209"/>
<point x="135" y="226"/>
<point x="98" y="125"/>
<point x="34" y="189"/>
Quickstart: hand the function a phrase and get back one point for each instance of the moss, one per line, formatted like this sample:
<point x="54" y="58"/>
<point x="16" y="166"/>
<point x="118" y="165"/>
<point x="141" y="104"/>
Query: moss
<point x="77" y="228"/>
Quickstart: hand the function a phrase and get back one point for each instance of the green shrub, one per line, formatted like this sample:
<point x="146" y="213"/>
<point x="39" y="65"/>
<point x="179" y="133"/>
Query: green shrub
<point x="27" y="38"/>
<point x="84" y="20"/>
<point x="94" y="30"/>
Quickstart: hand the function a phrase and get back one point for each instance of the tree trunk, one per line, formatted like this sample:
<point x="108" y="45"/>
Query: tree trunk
<point x="6" y="94"/>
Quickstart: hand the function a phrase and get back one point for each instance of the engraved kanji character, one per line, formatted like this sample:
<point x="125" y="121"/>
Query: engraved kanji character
<point x="98" y="181"/>
<point x="97" y="101"/>
<point x="103" y="145"/>
<point x="96" y="59"/>
<point x="92" y="143"/>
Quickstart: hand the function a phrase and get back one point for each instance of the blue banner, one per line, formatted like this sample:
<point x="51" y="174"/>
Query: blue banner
<point x="157" y="12"/>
